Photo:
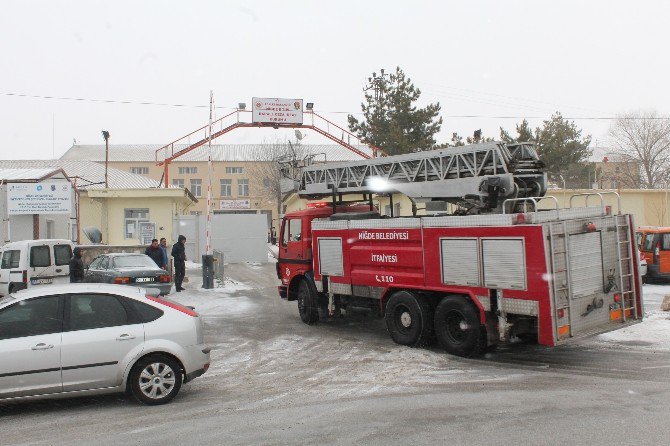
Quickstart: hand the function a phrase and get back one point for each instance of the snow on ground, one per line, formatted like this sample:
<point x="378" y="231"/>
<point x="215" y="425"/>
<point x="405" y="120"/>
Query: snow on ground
<point x="654" y="331"/>
<point x="218" y="301"/>
<point x="192" y="265"/>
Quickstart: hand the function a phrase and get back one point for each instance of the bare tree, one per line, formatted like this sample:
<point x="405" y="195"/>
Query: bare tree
<point x="641" y="140"/>
<point x="272" y="163"/>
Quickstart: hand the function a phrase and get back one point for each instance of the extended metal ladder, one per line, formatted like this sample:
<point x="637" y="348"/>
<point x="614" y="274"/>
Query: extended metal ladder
<point x="450" y="173"/>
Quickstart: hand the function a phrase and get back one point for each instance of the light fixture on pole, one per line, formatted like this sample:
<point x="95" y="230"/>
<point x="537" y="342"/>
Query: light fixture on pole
<point x="241" y="106"/>
<point x="310" y="106"/>
<point x="105" y="135"/>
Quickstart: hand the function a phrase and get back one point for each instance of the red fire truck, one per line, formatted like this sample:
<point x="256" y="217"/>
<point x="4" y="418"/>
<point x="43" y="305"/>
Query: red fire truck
<point x="506" y="269"/>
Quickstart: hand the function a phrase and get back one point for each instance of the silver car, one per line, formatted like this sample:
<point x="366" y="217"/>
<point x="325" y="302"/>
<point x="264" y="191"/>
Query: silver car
<point x="69" y="340"/>
<point x="128" y="269"/>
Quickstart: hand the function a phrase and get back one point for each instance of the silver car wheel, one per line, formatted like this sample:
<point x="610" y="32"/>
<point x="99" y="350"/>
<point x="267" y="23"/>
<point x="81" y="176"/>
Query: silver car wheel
<point x="157" y="380"/>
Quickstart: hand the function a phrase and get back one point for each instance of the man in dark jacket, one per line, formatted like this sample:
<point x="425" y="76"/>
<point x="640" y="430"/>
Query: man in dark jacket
<point x="154" y="251"/>
<point x="179" y="255"/>
<point x="76" y="267"/>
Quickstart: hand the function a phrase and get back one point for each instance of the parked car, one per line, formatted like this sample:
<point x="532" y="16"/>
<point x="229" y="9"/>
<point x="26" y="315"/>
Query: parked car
<point x="77" y="339"/>
<point x="28" y="263"/>
<point x="128" y="269"/>
<point x="654" y="243"/>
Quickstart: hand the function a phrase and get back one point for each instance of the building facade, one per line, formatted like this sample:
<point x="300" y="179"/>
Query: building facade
<point x="243" y="176"/>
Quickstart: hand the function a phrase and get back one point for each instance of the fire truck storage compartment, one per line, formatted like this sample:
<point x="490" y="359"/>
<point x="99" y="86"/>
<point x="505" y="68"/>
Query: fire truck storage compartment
<point x="460" y="261"/>
<point x="330" y="256"/>
<point x="504" y="263"/>
<point x="585" y="254"/>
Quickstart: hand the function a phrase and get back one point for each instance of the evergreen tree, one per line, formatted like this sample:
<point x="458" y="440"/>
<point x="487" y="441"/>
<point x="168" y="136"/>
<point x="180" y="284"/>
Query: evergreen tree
<point x="561" y="147"/>
<point x="391" y="119"/>
<point x="565" y="152"/>
<point x="456" y="140"/>
<point x="524" y="133"/>
<point x="478" y="137"/>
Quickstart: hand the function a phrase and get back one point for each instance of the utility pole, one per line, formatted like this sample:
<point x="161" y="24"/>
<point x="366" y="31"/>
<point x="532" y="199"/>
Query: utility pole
<point x="105" y="134"/>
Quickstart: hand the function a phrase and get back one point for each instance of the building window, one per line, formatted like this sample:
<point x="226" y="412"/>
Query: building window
<point x="132" y="220"/>
<point x="196" y="213"/>
<point x="178" y="183"/>
<point x="234" y="169"/>
<point x="187" y="170"/>
<point x="226" y="188"/>
<point x="139" y="170"/>
<point x="196" y="187"/>
<point x="243" y="188"/>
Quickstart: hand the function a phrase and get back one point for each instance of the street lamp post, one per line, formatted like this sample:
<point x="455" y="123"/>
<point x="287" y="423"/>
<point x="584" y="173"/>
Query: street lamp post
<point x="105" y="135"/>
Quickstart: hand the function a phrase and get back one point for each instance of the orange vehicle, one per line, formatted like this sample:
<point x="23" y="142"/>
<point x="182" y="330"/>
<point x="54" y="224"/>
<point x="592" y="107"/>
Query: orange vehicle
<point x="654" y="244"/>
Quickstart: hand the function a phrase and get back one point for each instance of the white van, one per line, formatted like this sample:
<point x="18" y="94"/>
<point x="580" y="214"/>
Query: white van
<point x="28" y="263"/>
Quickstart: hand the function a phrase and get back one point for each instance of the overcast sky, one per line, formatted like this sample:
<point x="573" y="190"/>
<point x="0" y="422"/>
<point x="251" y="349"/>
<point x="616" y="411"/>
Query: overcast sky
<point x="484" y="59"/>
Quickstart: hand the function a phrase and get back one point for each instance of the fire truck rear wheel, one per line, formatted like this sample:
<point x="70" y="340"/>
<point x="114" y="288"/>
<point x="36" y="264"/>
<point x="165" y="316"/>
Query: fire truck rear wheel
<point x="307" y="302"/>
<point x="458" y="328"/>
<point x="409" y="319"/>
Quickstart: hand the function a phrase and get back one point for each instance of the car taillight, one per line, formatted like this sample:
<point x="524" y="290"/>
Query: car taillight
<point x="164" y="279"/>
<point x="122" y="280"/>
<point x="173" y="305"/>
<point x="617" y="298"/>
<point x="560" y="313"/>
<point x="25" y="277"/>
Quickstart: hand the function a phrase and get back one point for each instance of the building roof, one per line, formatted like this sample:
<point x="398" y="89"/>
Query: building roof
<point x="27" y="174"/>
<point x="220" y="152"/>
<point x="89" y="175"/>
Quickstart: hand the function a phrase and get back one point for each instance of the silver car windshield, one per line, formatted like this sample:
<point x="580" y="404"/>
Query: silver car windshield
<point x="139" y="261"/>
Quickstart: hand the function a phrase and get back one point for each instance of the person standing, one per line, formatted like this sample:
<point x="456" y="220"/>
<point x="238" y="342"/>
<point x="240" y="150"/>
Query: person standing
<point x="76" y="267"/>
<point x="155" y="252"/>
<point x="179" y="255"/>
<point x="166" y="258"/>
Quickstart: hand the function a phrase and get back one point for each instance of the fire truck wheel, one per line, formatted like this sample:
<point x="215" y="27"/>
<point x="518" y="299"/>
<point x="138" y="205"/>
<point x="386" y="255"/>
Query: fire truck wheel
<point x="409" y="319"/>
<point x="307" y="302"/>
<point x="458" y="328"/>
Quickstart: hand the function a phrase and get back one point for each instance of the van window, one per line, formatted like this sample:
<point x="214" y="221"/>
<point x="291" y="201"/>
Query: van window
<point x="40" y="256"/>
<point x="648" y="242"/>
<point x="10" y="259"/>
<point x="665" y="242"/>
<point x="292" y="232"/>
<point x="62" y="254"/>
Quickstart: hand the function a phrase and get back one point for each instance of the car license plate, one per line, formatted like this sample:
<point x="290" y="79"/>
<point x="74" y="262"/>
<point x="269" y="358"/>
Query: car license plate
<point x="144" y="279"/>
<point x="35" y="281"/>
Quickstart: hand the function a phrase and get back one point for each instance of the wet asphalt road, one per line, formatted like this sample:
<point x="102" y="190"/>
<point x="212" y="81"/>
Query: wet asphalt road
<point x="275" y="380"/>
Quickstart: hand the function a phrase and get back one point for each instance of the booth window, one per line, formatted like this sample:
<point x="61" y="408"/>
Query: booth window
<point x="132" y="220"/>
